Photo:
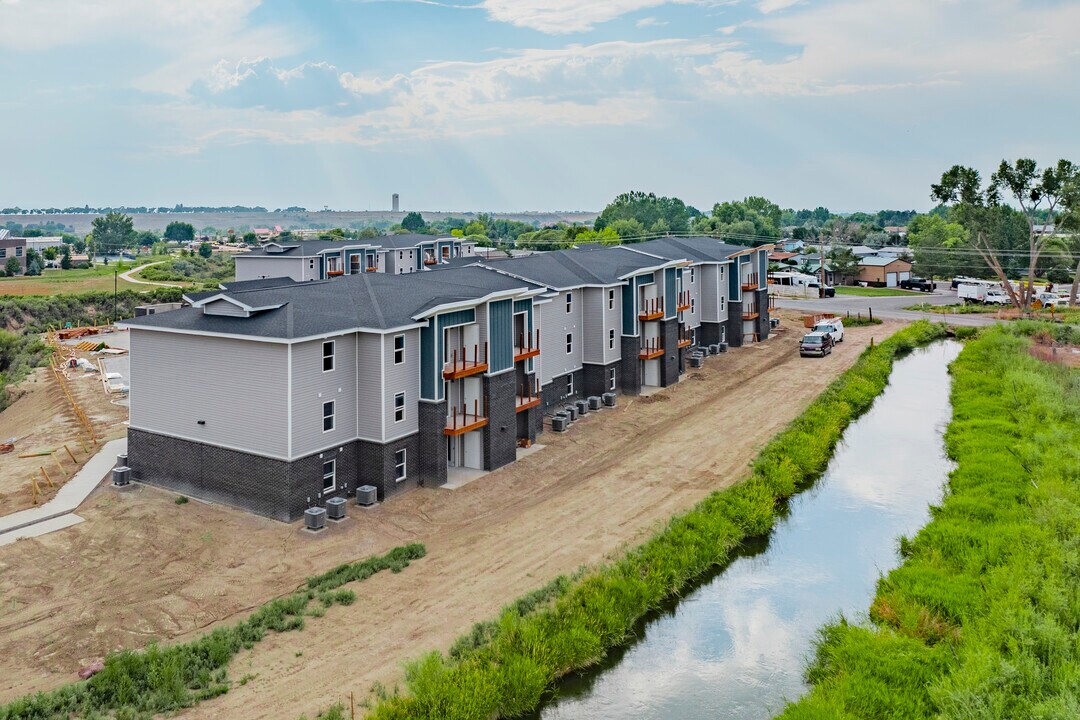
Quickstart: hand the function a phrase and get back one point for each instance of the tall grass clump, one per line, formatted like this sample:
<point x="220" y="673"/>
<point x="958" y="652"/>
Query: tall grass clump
<point x="503" y="667"/>
<point x="140" y="684"/>
<point x="982" y="619"/>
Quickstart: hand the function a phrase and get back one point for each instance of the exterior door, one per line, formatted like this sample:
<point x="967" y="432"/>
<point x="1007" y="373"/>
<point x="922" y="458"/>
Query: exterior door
<point x="354" y="264"/>
<point x="652" y="373"/>
<point x="890" y="279"/>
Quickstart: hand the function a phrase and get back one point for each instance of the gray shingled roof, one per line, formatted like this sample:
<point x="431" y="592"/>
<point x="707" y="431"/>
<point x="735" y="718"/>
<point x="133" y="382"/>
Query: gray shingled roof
<point x="700" y="248"/>
<point x="365" y="300"/>
<point x="302" y="248"/>
<point x="403" y="241"/>
<point x="571" y="268"/>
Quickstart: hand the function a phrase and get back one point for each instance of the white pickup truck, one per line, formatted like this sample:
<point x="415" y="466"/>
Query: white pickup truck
<point x="983" y="292"/>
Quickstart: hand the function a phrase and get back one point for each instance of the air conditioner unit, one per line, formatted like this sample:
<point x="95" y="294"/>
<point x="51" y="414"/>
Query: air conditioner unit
<point x="582" y="407"/>
<point x="121" y="460"/>
<point x="559" y="423"/>
<point x="367" y="495"/>
<point x="315" y="518"/>
<point x="571" y="412"/>
<point x="723" y="347"/>
<point x="714" y="349"/>
<point x="696" y="361"/>
<point x="121" y="476"/>
<point x="609" y="399"/>
<point x="594" y="402"/>
<point x="335" y="508"/>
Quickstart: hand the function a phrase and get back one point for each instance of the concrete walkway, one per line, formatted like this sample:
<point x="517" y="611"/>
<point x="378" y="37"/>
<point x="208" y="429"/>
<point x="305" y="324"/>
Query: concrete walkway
<point x="130" y="276"/>
<point x="50" y="516"/>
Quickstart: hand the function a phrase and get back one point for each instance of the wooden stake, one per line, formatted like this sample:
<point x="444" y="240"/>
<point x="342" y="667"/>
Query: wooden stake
<point x="352" y="706"/>
<point x="35" y="491"/>
<point x="60" y="465"/>
<point x="47" y="478"/>
<point x="71" y="454"/>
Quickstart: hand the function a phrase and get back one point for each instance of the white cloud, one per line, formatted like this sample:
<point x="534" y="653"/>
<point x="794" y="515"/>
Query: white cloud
<point x="650" y="22"/>
<point x="559" y="17"/>
<point x="771" y="6"/>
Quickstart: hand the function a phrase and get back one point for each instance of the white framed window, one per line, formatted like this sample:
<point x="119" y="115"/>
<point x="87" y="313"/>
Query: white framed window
<point x="610" y="299"/>
<point x="400" y="255"/>
<point x="611" y="339"/>
<point x="569" y="384"/>
<point x="399" y="349"/>
<point x="691" y="276"/>
<point x="569" y="343"/>
<point x="328" y="416"/>
<point x="328" y="356"/>
<point x="399" y="407"/>
<point x="693" y="304"/>
<point x="3" y="252"/>
<point x="329" y="475"/>
<point x="399" y="465"/>
<point x="723" y="303"/>
<point x="611" y="379"/>
<point x="569" y="301"/>
<point x="311" y="264"/>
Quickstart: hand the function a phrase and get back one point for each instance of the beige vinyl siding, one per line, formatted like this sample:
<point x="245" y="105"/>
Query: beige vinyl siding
<point x="369" y="386"/>
<point x="311" y="387"/>
<point x="259" y="266"/>
<point x="239" y="388"/>
<point x="401" y="378"/>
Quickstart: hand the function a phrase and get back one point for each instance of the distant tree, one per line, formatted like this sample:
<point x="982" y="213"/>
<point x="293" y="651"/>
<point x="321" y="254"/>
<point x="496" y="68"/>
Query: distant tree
<point x="13" y="267"/>
<point x="754" y="221"/>
<point x="65" y="258"/>
<point x="206" y="250"/>
<point x="413" y="222"/>
<point x="179" y="232"/>
<point x="844" y="264"/>
<point x="937" y="245"/>
<point x="49" y="253"/>
<point x="368" y="233"/>
<point x="1039" y="195"/>
<point x="626" y="228"/>
<point x="33" y="267"/>
<point x="648" y="210"/>
<point x="251" y="238"/>
<point x="113" y="232"/>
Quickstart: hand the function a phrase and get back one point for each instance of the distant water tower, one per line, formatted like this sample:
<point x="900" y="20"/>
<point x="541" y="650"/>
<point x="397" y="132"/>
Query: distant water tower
<point x="394" y="200"/>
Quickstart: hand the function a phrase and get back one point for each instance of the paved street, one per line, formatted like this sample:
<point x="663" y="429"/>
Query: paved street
<point x="887" y="307"/>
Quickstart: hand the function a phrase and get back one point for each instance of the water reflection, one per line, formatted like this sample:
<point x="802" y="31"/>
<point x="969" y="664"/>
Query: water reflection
<point x="736" y="647"/>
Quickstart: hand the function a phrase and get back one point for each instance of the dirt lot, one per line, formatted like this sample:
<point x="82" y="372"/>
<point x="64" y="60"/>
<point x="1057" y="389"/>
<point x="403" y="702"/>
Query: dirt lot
<point x="42" y="420"/>
<point x="142" y="567"/>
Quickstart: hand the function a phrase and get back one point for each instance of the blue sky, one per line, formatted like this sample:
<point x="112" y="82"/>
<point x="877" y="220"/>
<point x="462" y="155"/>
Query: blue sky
<point x="525" y="104"/>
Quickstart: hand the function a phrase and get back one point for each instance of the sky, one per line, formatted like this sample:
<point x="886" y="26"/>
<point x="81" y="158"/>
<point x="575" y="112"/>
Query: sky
<point x="510" y="105"/>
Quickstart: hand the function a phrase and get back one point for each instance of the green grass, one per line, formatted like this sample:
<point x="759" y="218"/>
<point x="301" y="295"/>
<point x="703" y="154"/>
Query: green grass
<point x="140" y="684"/>
<point x="503" y="667"/>
<point x="874" y="291"/>
<point x="97" y="277"/>
<point x="958" y="309"/>
<point x="982" y="619"/>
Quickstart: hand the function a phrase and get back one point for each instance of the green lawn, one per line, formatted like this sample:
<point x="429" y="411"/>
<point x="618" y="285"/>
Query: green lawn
<point x="874" y="291"/>
<point x="51" y="282"/>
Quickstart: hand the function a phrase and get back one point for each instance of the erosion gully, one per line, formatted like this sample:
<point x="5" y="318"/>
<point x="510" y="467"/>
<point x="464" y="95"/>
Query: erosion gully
<point x="737" y="645"/>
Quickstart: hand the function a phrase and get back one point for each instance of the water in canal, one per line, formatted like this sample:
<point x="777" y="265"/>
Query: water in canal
<point x="737" y="646"/>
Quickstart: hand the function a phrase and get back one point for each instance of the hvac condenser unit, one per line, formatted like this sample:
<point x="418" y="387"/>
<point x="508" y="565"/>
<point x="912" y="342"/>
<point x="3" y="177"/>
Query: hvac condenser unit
<point x="696" y="361"/>
<point x="714" y="349"/>
<point x="571" y="412"/>
<point x="315" y="518"/>
<point x="594" y="402"/>
<point x="609" y="399"/>
<point x="121" y="476"/>
<point x="582" y="407"/>
<point x="367" y="495"/>
<point x="559" y="423"/>
<point x="335" y="508"/>
<point x="121" y="460"/>
<point x="723" y="347"/>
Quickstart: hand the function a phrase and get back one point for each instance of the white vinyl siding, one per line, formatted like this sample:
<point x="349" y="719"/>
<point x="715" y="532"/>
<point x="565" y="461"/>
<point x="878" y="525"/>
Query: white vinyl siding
<point x="402" y="378"/>
<point x="178" y="380"/>
<point x="311" y="388"/>
<point x="261" y="266"/>
<point x="555" y="325"/>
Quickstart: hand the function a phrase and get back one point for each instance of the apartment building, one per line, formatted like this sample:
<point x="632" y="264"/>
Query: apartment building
<point x="304" y="260"/>
<point x="13" y="247"/>
<point x="276" y="394"/>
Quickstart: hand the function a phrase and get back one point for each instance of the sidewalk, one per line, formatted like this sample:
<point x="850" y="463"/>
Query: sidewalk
<point x="35" y="521"/>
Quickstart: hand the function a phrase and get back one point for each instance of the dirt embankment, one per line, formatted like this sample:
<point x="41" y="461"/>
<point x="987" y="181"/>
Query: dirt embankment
<point x="144" y="568"/>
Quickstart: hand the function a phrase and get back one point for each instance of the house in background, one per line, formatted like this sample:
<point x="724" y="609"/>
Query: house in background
<point x="13" y="247"/>
<point x="883" y="271"/>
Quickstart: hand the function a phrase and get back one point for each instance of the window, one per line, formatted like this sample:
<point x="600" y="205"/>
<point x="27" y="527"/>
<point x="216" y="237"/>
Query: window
<point x="569" y="302"/>
<point x="399" y="407"/>
<point x="18" y="253"/>
<point x="399" y="349"/>
<point x="328" y="416"/>
<point x="401" y="255"/>
<point x="723" y="303"/>
<point x="311" y="264"/>
<point x="328" y="356"/>
<point x="693" y="304"/>
<point x="611" y="339"/>
<point x="610" y="299"/>
<point x="611" y="379"/>
<point x="569" y="384"/>
<point x="329" y="475"/>
<point x="691" y="276"/>
<point x="3" y="252"/>
<point x="399" y="465"/>
<point x="569" y="343"/>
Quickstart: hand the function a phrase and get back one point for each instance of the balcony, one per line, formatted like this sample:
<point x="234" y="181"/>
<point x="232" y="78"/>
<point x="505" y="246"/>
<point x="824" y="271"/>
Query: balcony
<point x="461" y="421"/>
<point x="527" y="346"/>
<point x="750" y="313"/>
<point x="651" y="350"/>
<point x="430" y="260"/>
<point x="684" y="301"/>
<point x="750" y="282"/>
<point x="334" y="273"/>
<point x="373" y="268"/>
<point x="651" y="310"/>
<point x="466" y="361"/>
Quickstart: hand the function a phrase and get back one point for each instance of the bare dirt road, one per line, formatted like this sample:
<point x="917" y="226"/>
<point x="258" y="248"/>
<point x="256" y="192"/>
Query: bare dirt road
<point x="143" y="568"/>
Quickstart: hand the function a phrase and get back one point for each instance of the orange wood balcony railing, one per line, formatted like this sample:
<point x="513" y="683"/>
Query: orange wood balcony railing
<point x="334" y="273"/>
<point x="651" y="310"/>
<point x="750" y="282"/>
<point x="528" y="346"/>
<point x="461" y="421"/>
<point x="464" y="363"/>
<point x="527" y="397"/>
<point x="749" y="313"/>
<point x="684" y="301"/>
<point x="651" y="349"/>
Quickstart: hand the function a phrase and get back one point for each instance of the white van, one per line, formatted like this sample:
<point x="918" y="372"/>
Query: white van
<point x="833" y="327"/>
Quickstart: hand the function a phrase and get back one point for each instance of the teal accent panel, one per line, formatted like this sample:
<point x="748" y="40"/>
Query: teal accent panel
<point x="763" y="264"/>
<point x="671" y="295"/>
<point x="450" y="319"/>
<point x="501" y="335"/>
<point x="428" y="380"/>
<point x="733" y="280"/>
<point x="629" y="327"/>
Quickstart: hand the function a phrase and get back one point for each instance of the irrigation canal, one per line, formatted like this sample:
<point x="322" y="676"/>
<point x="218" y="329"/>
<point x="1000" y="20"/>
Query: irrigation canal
<point x="738" y="644"/>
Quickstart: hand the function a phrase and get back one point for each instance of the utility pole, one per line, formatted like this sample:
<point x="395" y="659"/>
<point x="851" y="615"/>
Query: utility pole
<point x="115" y="278"/>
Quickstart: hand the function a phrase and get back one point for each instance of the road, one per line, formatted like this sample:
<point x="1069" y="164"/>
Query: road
<point x="130" y="276"/>
<point x="887" y="307"/>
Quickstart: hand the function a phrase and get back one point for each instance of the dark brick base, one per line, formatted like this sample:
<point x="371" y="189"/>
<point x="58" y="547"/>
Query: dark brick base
<point x="763" y="314"/>
<point x="595" y="380"/>
<point x="669" y="368"/>
<point x="709" y="334"/>
<point x="500" y="434"/>
<point x="553" y="395"/>
<point x="734" y="324"/>
<point x="378" y="465"/>
<point x="432" y="442"/>
<point x="630" y="366"/>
